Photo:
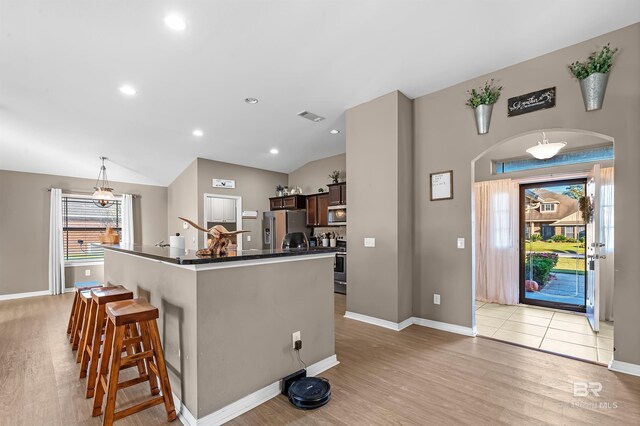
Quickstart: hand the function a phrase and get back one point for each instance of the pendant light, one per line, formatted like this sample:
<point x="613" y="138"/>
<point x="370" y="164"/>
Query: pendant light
<point x="545" y="150"/>
<point x="103" y="196"/>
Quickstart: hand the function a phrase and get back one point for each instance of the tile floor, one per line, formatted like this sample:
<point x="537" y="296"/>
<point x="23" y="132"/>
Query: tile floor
<point x="549" y="329"/>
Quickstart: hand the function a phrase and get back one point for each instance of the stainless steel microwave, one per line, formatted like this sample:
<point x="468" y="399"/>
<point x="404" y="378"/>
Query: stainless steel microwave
<point x="337" y="215"/>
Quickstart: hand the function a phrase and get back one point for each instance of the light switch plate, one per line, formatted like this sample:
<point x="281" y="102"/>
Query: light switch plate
<point x="369" y="242"/>
<point x="460" y="243"/>
<point x="249" y="238"/>
<point x="436" y="299"/>
<point x="87" y="272"/>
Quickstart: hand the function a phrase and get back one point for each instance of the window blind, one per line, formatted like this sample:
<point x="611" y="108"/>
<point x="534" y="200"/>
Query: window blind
<point x="83" y="221"/>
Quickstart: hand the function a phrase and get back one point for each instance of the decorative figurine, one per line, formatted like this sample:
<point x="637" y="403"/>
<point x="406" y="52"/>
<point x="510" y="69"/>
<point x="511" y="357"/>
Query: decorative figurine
<point x="217" y="239"/>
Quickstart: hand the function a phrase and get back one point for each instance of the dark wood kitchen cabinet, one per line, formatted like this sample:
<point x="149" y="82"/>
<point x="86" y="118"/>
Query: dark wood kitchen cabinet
<point x="290" y="202"/>
<point x="317" y="209"/>
<point x="338" y="194"/>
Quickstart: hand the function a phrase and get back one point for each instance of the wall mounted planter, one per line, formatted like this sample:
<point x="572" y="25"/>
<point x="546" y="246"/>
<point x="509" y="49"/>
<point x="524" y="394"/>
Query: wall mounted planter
<point x="593" y="88"/>
<point x="483" y="118"/>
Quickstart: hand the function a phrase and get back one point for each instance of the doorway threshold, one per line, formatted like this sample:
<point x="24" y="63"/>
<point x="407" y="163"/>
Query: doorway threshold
<point x="547" y="330"/>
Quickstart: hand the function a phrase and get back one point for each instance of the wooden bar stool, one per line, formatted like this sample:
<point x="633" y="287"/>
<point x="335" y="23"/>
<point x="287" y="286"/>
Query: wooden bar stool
<point x="75" y="306"/>
<point x="89" y="352"/>
<point x="138" y="313"/>
<point x="83" y="312"/>
<point x="86" y="300"/>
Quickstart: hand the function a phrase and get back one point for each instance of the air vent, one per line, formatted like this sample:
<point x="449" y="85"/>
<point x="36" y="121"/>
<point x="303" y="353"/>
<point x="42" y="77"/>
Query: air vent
<point x="310" y="116"/>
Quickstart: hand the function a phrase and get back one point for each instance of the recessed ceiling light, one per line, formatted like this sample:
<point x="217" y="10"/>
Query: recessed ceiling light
<point x="198" y="133"/>
<point x="274" y="150"/>
<point x="128" y="90"/>
<point x="175" y="22"/>
<point x="334" y="131"/>
<point x="251" y="101"/>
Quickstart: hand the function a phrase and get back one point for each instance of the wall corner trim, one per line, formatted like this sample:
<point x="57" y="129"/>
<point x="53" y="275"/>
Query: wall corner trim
<point x="23" y="295"/>
<point x="248" y="402"/>
<point x="451" y="328"/>
<point x="624" y="367"/>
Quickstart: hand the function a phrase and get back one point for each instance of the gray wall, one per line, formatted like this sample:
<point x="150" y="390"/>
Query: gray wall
<point x="182" y="200"/>
<point x="315" y="174"/>
<point x="379" y="140"/>
<point x="445" y="138"/>
<point x="24" y="226"/>
<point x="254" y="185"/>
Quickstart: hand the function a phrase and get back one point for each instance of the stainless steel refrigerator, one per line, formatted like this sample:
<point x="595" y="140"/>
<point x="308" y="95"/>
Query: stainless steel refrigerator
<point x="276" y="224"/>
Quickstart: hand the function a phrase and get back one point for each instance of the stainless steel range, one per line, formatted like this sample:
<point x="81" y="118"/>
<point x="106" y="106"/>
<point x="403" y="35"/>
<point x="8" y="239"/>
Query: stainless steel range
<point x="340" y="268"/>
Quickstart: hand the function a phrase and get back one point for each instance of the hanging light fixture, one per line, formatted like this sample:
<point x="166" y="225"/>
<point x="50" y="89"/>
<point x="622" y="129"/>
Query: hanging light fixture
<point x="545" y="150"/>
<point x="103" y="196"/>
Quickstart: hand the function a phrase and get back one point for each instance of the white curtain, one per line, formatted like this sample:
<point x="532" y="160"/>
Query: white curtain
<point x="496" y="223"/>
<point x="606" y="237"/>
<point x="127" y="220"/>
<point x="56" y="251"/>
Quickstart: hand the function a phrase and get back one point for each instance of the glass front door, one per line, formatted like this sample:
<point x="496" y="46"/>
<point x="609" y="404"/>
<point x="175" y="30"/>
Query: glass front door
<point x="552" y="245"/>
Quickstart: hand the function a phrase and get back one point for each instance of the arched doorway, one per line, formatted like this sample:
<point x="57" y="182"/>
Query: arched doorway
<point x="516" y="314"/>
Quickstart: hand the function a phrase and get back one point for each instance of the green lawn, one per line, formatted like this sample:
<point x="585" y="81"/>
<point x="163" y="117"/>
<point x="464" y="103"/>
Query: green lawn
<point x="569" y="266"/>
<point x="544" y="246"/>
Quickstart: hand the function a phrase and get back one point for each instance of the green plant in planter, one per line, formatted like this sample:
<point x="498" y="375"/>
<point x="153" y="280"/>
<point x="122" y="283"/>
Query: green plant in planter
<point x="599" y="61"/>
<point x="486" y="95"/>
<point x="335" y="176"/>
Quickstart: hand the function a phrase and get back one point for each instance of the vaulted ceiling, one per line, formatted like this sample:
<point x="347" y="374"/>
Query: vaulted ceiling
<point x="62" y="63"/>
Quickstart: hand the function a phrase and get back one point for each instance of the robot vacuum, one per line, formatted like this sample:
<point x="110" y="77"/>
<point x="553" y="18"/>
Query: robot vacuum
<point x="308" y="393"/>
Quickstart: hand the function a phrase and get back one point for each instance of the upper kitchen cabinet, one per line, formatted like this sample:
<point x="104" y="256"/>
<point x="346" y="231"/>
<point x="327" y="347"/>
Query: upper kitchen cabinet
<point x="337" y="194"/>
<point x="290" y="202"/>
<point x="221" y="209"/>
<point x="317" y="211"/>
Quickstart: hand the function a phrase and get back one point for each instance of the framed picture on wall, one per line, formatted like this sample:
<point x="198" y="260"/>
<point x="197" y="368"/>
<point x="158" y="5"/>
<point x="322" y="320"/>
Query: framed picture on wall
<point x="441" y="185"/>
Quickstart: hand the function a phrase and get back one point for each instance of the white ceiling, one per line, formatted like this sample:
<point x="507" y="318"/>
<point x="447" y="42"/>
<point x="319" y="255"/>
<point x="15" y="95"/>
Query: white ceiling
<point x="61" y="63"/>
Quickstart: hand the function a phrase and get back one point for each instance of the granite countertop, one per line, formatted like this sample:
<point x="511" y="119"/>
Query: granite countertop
<point x="188" y="257"/>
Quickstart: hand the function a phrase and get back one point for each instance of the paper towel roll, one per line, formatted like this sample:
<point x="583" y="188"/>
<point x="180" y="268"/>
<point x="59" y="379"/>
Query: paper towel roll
<point x="176" y="242"/>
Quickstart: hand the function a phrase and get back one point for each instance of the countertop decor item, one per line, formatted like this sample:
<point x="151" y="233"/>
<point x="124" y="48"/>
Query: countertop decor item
<point x="217" y="239"/>
<point x="545" y="150"/>
<point x="593" y="75"/>
<point x="103" y="195"/>
<point x="335" y="176"/>
<point x="109" y="236"/>
<point x="482" y="101"/>
<point x="279" y="190"/>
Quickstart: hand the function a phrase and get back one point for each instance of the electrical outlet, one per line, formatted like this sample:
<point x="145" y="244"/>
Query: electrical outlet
<point x="87" y="272"/>
<point x="369" y="242"/>
<point x="436" y="299"/>
<point x="295" y="336"/>
<point x="248" y="238"/>
<point x="460" y="243"/>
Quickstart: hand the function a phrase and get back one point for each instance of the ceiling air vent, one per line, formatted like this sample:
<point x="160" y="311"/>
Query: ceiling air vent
<point x="310" y="116"/>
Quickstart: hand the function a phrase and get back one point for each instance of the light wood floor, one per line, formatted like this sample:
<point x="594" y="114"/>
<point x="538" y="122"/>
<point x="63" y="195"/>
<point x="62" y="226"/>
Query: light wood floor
<point x="418" y="376"/>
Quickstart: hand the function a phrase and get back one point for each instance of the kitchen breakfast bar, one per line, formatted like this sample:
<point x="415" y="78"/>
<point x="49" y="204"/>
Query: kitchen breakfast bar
<point x="226" y="322"/>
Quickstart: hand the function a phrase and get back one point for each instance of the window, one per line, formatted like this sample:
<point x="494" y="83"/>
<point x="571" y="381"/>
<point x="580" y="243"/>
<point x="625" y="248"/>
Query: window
<point x="83" y="221"/>
<point x="588" y="155"/>
<point x="548" y="207"/>
<point x="569" y="232"/>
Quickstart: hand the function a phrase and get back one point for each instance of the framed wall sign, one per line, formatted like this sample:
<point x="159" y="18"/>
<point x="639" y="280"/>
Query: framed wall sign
<point x="441" y="185"/>
<point x="534" y="101"/>
<point x="224" y="183"/>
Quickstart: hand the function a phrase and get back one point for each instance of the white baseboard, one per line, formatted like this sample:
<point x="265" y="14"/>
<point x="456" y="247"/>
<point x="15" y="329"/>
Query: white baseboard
<point x="247" y="403"/>
<point x="452" y="328"/>
<point x="624" y="367"/>
<point x="396" y="326"/>
<point x="23" y="295"/>
<point x="445" y="326"/>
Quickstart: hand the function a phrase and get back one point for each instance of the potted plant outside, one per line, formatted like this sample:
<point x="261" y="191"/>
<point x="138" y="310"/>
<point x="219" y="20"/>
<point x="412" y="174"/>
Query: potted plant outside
<point x="482" y="100"/>
<point x="593" y="75"/>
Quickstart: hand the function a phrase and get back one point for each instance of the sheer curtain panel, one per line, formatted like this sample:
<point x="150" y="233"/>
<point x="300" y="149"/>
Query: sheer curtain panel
<point x="606" y="237"/>
<point x="56" y="252"/>
<point x="127" y="219"/>
<point x="497" y="232"/>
